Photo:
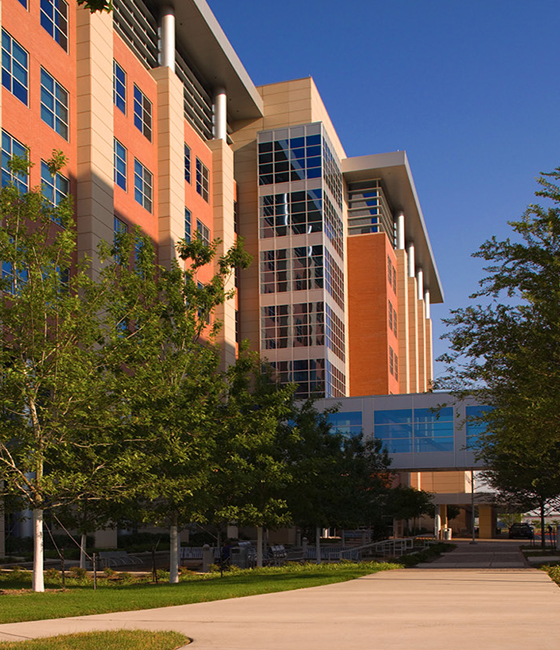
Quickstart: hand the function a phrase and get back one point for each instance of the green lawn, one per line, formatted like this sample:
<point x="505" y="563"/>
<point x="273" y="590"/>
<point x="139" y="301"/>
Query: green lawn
<point x="119" y="640"/>
<point x="81" y="600"/>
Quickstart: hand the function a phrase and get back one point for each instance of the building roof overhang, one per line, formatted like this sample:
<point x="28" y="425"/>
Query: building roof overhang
<point x="203" y="40"/>
<point x="394" y="171"/>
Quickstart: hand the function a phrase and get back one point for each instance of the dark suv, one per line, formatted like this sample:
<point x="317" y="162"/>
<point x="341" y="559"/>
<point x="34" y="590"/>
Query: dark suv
<point x="523" y="531"/>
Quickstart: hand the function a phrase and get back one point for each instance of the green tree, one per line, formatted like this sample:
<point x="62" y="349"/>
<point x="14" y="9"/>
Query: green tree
<point x="52" y="381"/>
<point x="506" y="352"/>
<point x="168" y="375"/>
<point x="250" y="476"/>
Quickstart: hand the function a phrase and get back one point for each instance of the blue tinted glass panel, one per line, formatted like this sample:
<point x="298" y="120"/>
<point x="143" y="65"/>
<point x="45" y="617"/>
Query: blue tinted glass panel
<point x="475" y="429"/>
<point x="393" y="416"/>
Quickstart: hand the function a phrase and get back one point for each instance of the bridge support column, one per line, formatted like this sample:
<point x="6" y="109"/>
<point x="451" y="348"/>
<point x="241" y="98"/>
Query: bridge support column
<point x="440" y="520"/>
<point x="486" y="521"/>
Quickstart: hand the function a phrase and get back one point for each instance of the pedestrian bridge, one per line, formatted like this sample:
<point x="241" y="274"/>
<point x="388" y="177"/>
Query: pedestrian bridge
<point x="423" y="432"/>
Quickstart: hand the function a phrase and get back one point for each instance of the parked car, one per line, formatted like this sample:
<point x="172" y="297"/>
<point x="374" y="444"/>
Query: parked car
<point x="523" y="531"/>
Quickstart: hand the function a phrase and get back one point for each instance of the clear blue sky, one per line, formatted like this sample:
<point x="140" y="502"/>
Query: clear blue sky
<point x="470" y="89"/>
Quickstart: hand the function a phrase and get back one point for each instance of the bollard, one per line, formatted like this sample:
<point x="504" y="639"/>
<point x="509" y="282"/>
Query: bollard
<point x="304" y="547"/>
<point x="207" y="558"/>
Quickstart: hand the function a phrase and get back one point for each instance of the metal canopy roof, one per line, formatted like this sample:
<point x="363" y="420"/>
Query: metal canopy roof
<point x="200" y="36"/>
<point x="394" y="171"/>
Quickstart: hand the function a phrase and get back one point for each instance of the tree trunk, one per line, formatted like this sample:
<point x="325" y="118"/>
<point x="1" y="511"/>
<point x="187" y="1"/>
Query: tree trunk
<point x="83" y="542"/>
<point x="543" y="529"/>
<point x="318" y="543"/>
<point x="259" y="546"/>
<point x="38" y="578"/>
<point x="173" y="553"/>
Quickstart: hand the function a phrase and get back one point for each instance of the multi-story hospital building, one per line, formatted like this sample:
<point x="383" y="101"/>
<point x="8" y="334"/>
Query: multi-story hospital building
<point x="164" y="129"/>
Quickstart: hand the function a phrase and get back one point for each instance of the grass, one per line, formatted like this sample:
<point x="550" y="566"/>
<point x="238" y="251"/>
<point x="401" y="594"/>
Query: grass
<point x="114" y="640"/>
<point x="17" y="603"/>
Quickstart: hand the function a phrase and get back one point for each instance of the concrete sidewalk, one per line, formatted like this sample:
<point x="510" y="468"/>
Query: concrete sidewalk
<point x="435" y="609"/>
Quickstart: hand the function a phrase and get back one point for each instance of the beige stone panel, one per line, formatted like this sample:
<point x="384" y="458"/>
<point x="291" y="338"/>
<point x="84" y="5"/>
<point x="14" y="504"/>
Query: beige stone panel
<point x="446" y="482"/>
<point x="421" y="310"/>
<point x="413" y="335"/>
<point x="429" y="354"/>
<point x="94" y="104"/>
<point x="403" y="321"/>
<point x="223" y="187"/>
<point x="320" y="114"/>
<point x="170" y="151"/>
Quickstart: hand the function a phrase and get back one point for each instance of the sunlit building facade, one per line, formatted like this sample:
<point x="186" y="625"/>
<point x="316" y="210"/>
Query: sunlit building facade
<point x="164" y="130"/>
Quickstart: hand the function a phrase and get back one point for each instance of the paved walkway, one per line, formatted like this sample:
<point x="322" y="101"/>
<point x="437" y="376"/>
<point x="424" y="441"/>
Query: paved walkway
<point x="437" y="609"/>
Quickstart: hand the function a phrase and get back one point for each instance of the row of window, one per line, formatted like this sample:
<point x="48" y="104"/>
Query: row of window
<point x="391" y="274"/>
<point x="15" y="78"/>
<point x="294" y="269"/>
<point x="142" y="108"/>
<point x="300" y="213"/>
<point x="299" y="269"/>
<point x="54" y="19"/>
<point x="335" y="333"/>
<point x="393" y="364"/>
<point x="392" y="318"/>
<point x="308" y="374"/>
<point x="301" y="325"/>
<point x="143" y="177"/>
<point x="336" y="381"/>
<point x="403" y="430"/>
<point x="55" y="188"/>
<point x="419" y="430"/>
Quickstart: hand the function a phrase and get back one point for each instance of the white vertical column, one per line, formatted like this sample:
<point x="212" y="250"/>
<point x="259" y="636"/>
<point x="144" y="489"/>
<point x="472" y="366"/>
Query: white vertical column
<point x="167" y="37"/>
<point x="411" y="261"/>
<point x="427" y="302"/>
<point x="400" y="230"/>
<point x="220" y="114"/>
<point x="420" y="281"/>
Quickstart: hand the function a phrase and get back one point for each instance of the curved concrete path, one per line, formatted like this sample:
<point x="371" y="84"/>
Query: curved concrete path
<point x="420" y="609"/>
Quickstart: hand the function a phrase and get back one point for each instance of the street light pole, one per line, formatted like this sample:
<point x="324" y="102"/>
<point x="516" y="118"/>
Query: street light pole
<point x="472" y="506"/>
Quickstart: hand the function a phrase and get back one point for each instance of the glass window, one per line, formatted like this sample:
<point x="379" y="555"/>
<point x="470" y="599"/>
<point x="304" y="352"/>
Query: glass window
<point x="142" y="185"/>
<point x="11" y="147"/>
<point x="433" y="429"/>
<point x="54" y="18"/>
<point x="394" y="427"/>
<point x="188" y="225"/>
<point x="15" y="67"/>
<point x="187" y="163"/>
<point x="347" y="424"/>
<point x="119" y="163"/>
<point x="202" y="182"/>
<point x="55" y="188"/>
<point x="142" y="113"/>
<point x="119" y="87"/>
<point x="13" y="281"/>
<point x="203" y="232"/>
<point x="119" y="227"/>
<point x="475" y="427"/>
<point x="54" y="104"/>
